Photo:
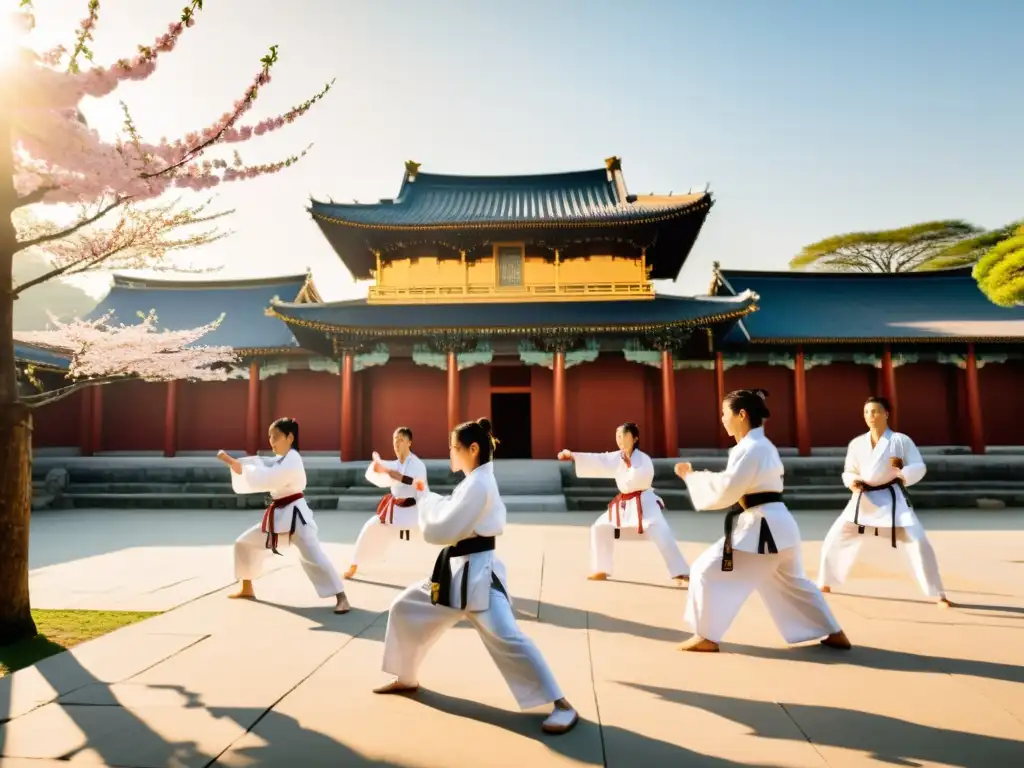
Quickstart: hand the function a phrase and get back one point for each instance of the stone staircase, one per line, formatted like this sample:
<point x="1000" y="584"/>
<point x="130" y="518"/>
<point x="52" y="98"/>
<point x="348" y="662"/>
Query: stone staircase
<point x="154" y="482"/>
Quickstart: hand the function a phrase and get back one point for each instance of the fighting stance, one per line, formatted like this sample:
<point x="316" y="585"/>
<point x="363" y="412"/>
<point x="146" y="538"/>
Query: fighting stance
<point x="880" y="464"/>
<point x="635" y="513"/>
<point x="761" y="547"/>
<point x="284" y="478"/>
<point x="468" y="582"/>
<point x="396" y="515"/>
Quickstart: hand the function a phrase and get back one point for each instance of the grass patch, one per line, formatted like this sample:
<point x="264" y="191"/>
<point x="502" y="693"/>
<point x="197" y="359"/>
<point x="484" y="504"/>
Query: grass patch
<point x="60" y="630"/>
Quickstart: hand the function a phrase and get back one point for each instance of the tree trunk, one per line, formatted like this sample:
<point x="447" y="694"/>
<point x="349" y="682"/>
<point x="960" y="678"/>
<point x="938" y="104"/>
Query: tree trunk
<point x="15" y="429"/>
<point x="15" y="514"/>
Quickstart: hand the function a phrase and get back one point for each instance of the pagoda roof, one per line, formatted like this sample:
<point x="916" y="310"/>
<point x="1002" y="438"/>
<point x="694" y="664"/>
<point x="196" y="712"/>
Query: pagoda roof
<point x="843" y="307"/>
<point x="183" y="304"/>
<point x="553" y="208"/>
<point x="42" y="355"/>
<point x="310" y="322"/>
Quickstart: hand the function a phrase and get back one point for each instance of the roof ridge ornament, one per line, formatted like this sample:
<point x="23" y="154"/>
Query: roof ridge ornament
<point x="613" y="163"/>
<point x="411" y="169"/>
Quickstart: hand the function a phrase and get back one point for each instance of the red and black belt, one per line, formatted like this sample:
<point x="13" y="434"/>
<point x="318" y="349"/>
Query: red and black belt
<point x="267" y="526"/>
<point x="386" y="511"/>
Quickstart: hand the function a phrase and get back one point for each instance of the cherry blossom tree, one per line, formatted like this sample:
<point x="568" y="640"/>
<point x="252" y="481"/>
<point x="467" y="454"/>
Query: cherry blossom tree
<point x="49" y="156"/>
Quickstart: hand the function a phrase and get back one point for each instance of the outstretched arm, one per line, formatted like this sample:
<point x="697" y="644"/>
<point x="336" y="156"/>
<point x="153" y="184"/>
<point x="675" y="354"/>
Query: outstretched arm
<point x="381" y="473"/>
<point x="594" y="465"/>
<point x="445" y="520"/>
<point x="257" y="477"/>
<point x="720" y="490"/>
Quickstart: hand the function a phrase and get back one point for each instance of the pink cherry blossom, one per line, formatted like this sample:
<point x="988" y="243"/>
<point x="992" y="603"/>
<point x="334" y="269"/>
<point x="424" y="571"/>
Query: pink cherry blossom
<point x="119" y="187"/>
<point x="101" y="350"/>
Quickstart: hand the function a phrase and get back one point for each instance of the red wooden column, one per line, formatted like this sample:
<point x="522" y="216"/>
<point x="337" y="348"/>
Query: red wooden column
<point x="252" y="413"/>
<point x="453" y="390"/>
<point x="803" y="432"/>
<point x="723" y="438"/>
<point x="347" y="408"/>
<point x="85" y="422"/>
<point x="96" y="424"/>
<point x="974" y="402"/>
<point x="171" y="420"/>
<point x="559" y="397"/>
<point x="668" y="397"/>
<point x="889" y="382"/>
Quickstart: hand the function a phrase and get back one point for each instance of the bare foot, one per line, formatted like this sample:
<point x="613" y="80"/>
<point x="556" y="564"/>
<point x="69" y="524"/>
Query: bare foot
<point x="343" y="604"/>
<point x="838" y="640"/>
<point x="826" y="589"/>
<point x="562" y="719"/>
<point x="246" y="592"/>
<point x="599" y="576"/>
<point x="351" y="571"/>
<point x="396" y="687"/>
<point x="944" y="602"/>
<point x="699" y="645"/>
<point x="683" y="578"/>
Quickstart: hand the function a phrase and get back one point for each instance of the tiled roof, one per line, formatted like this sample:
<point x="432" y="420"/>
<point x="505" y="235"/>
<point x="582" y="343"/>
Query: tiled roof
<point x="396" y="320"/>
<point x="187" y="304"/>
<point x="557" y="209"/>
<point x="437" y="200"/>
<point x="41" y="354"/>
<point x="845" y="307"/>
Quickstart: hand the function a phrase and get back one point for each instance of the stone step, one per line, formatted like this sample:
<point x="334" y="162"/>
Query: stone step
<point x="924" y="498"/>
<point x="176" y="501"/>
<point x="369" y="491"/>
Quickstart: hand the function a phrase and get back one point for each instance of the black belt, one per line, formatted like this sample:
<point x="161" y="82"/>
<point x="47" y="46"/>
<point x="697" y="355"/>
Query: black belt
<point x="891" y="486"/>
<point x="766" y="542"/>
<point x="441" y="578"/>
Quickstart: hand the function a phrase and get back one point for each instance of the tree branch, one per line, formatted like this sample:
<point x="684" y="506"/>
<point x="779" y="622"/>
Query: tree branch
<point x="23" y="245"/>
<point x="33" y="197"/>
<point x="46" y="398"/>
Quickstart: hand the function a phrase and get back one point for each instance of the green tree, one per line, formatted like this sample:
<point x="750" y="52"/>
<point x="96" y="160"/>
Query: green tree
<point x="1000" y="272"/>
<point x="892" y="250"/>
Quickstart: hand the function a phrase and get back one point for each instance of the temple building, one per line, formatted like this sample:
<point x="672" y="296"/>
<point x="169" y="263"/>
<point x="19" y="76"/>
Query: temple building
<point x="529" y="299"/>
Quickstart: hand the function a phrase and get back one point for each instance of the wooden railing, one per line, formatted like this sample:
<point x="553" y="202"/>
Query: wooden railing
<point x="435" y="294"/>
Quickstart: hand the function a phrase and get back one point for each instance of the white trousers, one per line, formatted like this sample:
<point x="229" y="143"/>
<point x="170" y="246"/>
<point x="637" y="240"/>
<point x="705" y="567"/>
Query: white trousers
<point x="602" y="544"/>
<point x="251" y="554"/>
<point x="376" y="538"/>
<point x="414" y="625"/>
<point x="842" y="543"/>
<point x="795" y="604"/>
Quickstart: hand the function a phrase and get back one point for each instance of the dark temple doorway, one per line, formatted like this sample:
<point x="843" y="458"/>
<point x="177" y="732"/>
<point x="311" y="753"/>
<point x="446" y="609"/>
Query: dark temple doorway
<point x="510" y="419"/>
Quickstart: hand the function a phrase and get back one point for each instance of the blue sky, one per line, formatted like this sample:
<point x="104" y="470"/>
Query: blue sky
<point x="807" y="118"/>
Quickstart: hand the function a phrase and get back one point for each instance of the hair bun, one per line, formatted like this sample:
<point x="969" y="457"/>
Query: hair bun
<point x="485" y="423"/>
<point x="762" y="393"/>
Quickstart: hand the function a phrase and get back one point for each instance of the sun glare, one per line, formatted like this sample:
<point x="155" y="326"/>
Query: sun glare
<point x="12" y="30"/>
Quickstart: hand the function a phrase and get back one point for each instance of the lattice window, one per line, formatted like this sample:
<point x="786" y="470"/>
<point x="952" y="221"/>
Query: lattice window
<point x="510" y="266"/>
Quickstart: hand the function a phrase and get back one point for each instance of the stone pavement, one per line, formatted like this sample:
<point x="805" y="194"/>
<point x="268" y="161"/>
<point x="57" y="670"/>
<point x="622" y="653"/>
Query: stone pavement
<point x="285" y="682"/>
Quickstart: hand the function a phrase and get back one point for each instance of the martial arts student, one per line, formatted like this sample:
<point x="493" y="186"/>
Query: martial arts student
<point x="288" y="519"/>
<point x="468" y="582"/>
<point x="880" y="464"/>
<point x="761" y="547"/>
<point x="635" y="513"/>
<point x="396" y="515"/>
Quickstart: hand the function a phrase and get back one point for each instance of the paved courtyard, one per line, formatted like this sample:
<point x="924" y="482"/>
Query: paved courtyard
<point x="284" y="682"/>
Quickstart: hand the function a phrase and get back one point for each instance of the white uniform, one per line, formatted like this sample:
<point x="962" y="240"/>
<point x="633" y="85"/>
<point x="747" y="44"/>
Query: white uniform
<point x="874" y="510"/>
<point x="281" y="478"/>
<point x="796" y="605"/>
<point x="633" y="515"/>
<point x="475" y="508"/>
<point x="391" y="520"/>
